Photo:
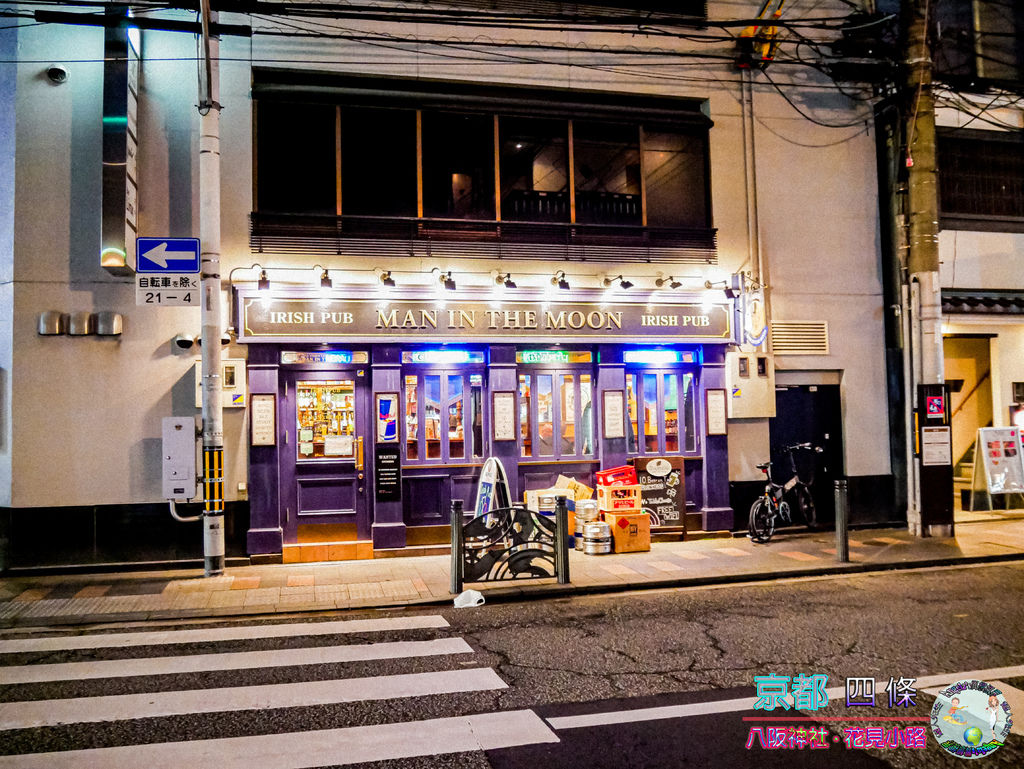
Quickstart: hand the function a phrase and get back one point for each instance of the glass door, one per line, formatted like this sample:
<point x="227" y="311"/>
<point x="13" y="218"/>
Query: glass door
<point x="323" y="426"/>
<point x="661" y="407"/>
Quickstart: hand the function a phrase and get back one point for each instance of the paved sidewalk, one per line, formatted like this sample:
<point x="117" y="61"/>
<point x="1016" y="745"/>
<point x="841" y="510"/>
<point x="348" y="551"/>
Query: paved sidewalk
<point x="92" y="598"/>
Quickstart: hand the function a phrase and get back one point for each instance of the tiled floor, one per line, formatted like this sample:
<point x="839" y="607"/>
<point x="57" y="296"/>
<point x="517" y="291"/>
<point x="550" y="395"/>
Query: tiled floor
<point x="297" y="587"/>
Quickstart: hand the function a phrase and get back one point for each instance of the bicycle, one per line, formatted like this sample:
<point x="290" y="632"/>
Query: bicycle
<point x="772" y="505"/>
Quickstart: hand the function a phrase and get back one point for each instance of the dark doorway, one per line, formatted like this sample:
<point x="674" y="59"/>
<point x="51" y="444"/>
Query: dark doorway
<point x="810" y="414"/>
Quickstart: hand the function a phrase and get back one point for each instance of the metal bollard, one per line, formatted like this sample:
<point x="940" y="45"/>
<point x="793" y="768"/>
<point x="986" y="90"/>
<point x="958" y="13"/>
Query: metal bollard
<point x="842" y="516"/>
<point x="456" y="577"/>
<point x="561" y="541"/>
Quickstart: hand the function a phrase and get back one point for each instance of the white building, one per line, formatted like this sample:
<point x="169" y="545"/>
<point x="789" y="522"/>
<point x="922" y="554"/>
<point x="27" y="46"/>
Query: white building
<point x="768" y="198"/>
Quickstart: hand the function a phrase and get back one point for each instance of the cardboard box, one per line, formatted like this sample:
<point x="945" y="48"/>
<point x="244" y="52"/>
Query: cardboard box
<point x="618" y="497"/>
<point x="631" y="532"/>
<point x="580" y="490"/>
<point x="616" y="476"/>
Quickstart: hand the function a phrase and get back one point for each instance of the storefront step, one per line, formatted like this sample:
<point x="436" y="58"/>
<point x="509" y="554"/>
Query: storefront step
<point x="676" y="534"/>
<point x="327" y="551"/>
<point x="412" y="551"/>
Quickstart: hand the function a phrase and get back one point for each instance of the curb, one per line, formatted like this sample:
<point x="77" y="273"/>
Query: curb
<point x="523" y="592"/>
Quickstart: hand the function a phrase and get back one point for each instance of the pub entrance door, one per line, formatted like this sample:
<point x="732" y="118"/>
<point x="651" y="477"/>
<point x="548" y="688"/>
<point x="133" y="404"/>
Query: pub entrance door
<point x="324" y="480"/>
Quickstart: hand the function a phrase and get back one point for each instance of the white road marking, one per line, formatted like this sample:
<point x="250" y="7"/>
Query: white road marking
<point x="35" y="713"/>
<point x="205" y="635"/>
<point x="298" y="750"/>
<point x="746" y="703"/>
<point x="152" y="666"/>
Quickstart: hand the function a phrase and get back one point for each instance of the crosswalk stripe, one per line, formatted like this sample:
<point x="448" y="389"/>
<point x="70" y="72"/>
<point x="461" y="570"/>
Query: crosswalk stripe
<point x="234" y="633"/>
<point x="195" y="663"/>
<point x="298" y="750"/>
<point x="37" y="713"/>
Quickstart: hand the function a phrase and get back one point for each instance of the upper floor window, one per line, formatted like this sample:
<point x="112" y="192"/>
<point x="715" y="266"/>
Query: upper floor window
<point x="981" y="175"/>
<point x="397" y="154"/>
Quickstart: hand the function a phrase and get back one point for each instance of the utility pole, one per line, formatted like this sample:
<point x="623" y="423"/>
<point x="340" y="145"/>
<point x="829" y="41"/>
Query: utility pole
<point x="209" y="237"/>
<point x="922" y="264"/>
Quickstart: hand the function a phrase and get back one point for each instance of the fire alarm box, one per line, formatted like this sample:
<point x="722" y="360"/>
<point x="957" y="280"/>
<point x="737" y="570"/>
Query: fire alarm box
<point x="750" y="385"/>
<point x="232" y="381"/>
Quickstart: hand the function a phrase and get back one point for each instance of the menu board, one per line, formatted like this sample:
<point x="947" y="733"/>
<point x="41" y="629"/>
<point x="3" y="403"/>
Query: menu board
<point x="662" y="489"/>
<point x="387" y="473"/>
<point x="1004" y="468"/>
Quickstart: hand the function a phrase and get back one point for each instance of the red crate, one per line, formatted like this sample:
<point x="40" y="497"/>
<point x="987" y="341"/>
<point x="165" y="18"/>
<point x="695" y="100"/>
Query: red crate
<point x="617" y="476"/>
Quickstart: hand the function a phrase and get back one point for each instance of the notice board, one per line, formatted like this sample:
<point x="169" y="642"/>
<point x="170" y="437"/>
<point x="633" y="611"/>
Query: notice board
<point x="387" y="472"/>
<point x="1000" y="449"/>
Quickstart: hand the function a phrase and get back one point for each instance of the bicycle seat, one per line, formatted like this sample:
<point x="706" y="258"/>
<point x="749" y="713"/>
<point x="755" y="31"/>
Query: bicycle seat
<point x="764" y="465"/>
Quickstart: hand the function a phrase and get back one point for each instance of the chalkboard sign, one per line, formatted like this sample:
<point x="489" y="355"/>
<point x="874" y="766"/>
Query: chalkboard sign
<point x="662" y="489"/>
<point x="387" y="472"/>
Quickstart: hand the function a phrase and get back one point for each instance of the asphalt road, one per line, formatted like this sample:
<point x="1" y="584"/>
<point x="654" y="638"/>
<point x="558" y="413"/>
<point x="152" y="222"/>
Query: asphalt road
<point x="609" y="658"/>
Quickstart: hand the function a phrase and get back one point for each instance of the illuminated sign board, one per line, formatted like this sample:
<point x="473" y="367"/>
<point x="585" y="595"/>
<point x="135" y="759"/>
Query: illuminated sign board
<point x="553" y="356"/>
<point x="326" y="356"/>
<point x="442" y="356"/>
<point x="658" y="356"/>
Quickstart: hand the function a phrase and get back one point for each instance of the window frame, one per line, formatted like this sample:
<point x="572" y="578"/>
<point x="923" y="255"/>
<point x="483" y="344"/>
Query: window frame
<point x="423" y="370"/>
<point x="556" y="371"/>
<point x="636" y="441"/>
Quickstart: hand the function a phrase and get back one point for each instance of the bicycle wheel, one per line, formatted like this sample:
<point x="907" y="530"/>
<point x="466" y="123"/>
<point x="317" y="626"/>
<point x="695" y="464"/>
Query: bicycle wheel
<point x="762" y="521"/>
<point x="805" y="506"/>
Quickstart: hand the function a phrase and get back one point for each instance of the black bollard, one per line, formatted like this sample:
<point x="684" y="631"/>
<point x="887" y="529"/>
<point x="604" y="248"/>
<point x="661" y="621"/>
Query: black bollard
<point x="456" y="520"/>
<point x="842" y="515"/>
<point x="561" y="541"/>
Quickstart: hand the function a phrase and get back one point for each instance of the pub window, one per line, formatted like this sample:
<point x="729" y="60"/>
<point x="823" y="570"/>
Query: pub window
<point x="674" y="179"/>
<point x="444" y="417"/>
<point x="556" y="415"/>
<point x="661" y="412"/>
<point x="606" y="157"/>
<point x="378" y="162"/>
<point x="325" y="419"/>
<point x="534" y="165"/>
<point x="458" y="165"/>
<point x="295" y="157"/>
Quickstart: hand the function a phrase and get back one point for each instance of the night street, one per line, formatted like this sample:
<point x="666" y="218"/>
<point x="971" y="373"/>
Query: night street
<point x="395" y="689"/>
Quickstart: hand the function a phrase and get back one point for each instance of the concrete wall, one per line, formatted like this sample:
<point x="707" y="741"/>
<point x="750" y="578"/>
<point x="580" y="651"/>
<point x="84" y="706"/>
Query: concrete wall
<point x="87" y="410"/>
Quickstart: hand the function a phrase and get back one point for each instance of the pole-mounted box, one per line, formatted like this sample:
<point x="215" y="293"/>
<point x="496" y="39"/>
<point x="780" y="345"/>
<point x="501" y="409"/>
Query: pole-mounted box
<point x="179" y="458"/>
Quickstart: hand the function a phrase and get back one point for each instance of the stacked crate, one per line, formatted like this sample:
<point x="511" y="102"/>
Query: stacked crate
<point x="618" y="499"/>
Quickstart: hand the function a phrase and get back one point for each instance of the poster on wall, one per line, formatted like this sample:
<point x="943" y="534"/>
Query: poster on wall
<point x="263" y="420"/>
<point x="715" y="409"/>
<point x="1000" y="449"/>
<point x="503" y="419"/>
<point x="387" y="417"/>
<point x="614" y="419"/>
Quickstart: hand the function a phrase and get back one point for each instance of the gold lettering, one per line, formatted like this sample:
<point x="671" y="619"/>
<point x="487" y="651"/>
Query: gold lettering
<point x="467" y="317"/>
<point x="550" y="321"/>
<point x="409" y="321"/>
<point x="615" y="318"/>
<point x="428" y="316"/>
<point x="531" y="319"/>
<point x="387" y="321"/>
<point x="492" y="318"/>
<point x="576" y="319"/>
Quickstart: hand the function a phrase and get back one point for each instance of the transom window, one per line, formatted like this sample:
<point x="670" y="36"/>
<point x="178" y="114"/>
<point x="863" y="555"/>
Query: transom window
<point x="662" y="419"/>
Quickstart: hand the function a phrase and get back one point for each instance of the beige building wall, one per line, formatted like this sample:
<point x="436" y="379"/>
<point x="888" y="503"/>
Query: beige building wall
<point x="86" y="411"/>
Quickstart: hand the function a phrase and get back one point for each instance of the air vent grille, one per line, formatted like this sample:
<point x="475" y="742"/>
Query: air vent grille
<point x="800" y="337"/>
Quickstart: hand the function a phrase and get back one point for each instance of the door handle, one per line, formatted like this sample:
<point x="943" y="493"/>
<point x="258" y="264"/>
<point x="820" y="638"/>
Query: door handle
<point x="359" y="453"/>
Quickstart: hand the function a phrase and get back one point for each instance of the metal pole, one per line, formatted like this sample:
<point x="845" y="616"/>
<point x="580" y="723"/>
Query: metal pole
<point x="561" y="541"/>
<point x="209" y="237"/>
<point x="456" y="575"/>
<point x="842" y="514"/>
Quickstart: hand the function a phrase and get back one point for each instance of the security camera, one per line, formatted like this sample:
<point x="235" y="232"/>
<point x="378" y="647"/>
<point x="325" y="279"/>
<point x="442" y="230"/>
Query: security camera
<point x="183" y="342"/>
<point x="57" y="74"/>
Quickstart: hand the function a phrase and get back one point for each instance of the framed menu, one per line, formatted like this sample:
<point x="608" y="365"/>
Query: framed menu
<point x="613" y="411"/>
<point x="263" y="420"/>
<point x="714" y="408"/>
<point x="503" y="416"/>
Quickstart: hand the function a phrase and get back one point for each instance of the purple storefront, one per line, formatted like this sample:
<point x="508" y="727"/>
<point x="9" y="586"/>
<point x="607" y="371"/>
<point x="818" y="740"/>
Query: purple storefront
<point x="370" y="412"/>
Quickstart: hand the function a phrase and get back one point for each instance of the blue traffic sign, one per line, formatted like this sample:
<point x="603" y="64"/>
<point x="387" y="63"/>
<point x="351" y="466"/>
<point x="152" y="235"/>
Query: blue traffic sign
<point x="167" y="255"/>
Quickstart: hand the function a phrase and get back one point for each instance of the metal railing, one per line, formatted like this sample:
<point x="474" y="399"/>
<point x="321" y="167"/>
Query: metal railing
<point x="509" y="543"/>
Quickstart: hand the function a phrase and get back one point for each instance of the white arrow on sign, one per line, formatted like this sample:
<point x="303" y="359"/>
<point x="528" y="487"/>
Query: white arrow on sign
<point x="159" y="255"/>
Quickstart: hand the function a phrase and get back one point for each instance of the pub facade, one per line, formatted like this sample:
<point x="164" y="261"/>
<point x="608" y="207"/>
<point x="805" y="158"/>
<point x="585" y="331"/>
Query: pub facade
<point x="376" y="410"/>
